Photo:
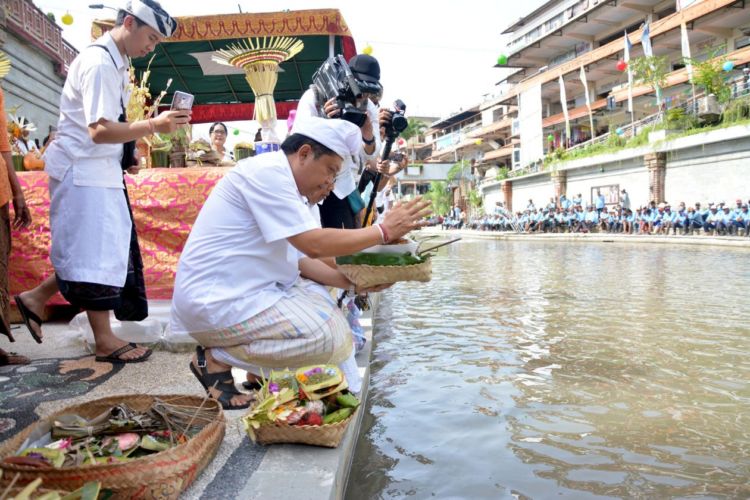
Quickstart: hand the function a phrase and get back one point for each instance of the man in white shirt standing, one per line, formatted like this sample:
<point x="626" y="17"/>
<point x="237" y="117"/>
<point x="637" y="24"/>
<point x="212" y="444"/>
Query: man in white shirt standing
<point x="94" y="247"/>
<point x="248" y="285"/>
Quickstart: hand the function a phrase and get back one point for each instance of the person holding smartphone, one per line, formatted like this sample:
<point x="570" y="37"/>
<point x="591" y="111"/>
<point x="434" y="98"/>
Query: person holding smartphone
<point x="95" y="251"/>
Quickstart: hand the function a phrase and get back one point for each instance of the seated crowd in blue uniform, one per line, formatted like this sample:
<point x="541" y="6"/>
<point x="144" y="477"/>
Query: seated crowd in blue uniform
<point x="570" y="215"/>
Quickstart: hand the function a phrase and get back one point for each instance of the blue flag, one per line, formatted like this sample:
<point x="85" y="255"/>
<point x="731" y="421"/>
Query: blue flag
<point x="646" y="41"/>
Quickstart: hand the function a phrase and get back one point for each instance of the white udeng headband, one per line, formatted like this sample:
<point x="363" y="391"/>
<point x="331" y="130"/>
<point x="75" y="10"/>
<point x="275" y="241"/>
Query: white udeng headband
<point x="157" y="19"/>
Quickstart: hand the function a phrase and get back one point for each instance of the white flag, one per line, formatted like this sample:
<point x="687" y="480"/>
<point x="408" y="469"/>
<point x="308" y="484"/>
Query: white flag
<point x="588" y="100"/>
<point x="564" y="102"/>
<point x="648" y="51"/>
<point x="626" y="57"/>
<point x="585" y="88"/>
<point x="686" y="51"/>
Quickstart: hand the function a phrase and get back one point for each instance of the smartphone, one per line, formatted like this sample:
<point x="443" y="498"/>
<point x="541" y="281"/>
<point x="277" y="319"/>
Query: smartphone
<point x="182" y="100"/>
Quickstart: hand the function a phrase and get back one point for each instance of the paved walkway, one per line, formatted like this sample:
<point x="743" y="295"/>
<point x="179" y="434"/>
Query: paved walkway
<point x="63" y="373"/>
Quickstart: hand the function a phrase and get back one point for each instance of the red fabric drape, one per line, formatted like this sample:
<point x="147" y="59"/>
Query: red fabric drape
<point x="209" y="113"/>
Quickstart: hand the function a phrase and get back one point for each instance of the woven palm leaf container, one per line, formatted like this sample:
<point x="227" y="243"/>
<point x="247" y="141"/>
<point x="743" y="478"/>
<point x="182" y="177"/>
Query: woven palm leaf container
<point x="365" y="276"/>
<point x="163" y="475"/>
<point x="329" y="435"/>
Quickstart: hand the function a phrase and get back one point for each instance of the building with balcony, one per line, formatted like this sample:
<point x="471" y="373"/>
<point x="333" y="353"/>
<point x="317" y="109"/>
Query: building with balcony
<point x="553" y="44"/>
<point x="40" y="58"/>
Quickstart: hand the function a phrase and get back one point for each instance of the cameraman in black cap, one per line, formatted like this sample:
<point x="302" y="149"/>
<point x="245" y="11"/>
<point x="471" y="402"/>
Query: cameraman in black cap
<point x="340" y="208"/>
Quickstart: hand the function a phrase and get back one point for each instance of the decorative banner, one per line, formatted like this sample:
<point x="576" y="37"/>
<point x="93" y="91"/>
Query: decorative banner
<point x="531" y="130"/>
<point x="626" y="58"/>
<point x="564" y="102"/>
<point x="686" y="52"/>
<point x="588" y="100"/>
<point x="648" y="51"/>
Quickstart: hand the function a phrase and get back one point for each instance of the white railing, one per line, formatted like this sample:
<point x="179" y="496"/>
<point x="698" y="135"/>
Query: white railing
<point x="740" y="87"/>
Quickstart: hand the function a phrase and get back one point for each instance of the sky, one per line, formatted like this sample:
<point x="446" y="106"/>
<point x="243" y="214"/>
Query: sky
<point x="437" y="56"/>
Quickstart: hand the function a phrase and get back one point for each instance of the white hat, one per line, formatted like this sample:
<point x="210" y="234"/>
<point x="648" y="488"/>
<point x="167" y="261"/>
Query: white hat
<point x="153" y="15"/>
<point x="340" y="136"/>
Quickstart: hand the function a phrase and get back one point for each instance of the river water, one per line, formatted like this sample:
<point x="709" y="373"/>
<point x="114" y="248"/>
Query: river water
<point x="562" y="370"/>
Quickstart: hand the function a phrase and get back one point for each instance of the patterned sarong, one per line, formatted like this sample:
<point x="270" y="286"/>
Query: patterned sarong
<point x="305" y="327"/>
<point x="4" y="255"/>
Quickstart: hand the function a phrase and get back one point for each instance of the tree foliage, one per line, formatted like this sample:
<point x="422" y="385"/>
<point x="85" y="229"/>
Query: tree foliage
<point x="710" y="76"/>
<point x="415" y="128"/>
<point x="440" y="196"/>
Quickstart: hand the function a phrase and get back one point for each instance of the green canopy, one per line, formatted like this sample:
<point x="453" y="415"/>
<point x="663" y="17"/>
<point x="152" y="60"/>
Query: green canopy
<point x="222" y="92"/>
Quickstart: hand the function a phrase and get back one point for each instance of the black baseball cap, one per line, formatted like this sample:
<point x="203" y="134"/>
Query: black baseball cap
<point x="365" y="68"/>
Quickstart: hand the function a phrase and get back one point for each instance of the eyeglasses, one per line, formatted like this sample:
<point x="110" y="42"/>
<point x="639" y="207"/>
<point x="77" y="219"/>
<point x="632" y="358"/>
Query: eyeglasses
<point x="219" y="131"/>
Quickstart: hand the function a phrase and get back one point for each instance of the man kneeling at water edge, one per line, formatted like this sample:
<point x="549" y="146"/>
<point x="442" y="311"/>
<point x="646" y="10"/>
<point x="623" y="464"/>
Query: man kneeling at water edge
<point x="248" y="285"/>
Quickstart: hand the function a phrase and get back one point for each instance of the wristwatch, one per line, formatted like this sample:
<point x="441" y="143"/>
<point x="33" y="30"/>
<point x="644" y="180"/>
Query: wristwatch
<point x="369" y="142"/>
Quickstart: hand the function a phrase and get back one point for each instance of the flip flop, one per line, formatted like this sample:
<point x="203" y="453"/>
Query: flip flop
<point x="12" y="358"/>
<point x="114" y="356"/>
<point x="28" y="316"/>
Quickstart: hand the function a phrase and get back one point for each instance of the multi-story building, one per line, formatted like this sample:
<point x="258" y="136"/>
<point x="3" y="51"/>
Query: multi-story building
<point x="39" y="59"/>
<point x="551" y="44"/>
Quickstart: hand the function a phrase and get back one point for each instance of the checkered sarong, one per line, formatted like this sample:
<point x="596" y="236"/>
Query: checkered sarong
<point x="305" y="327"/>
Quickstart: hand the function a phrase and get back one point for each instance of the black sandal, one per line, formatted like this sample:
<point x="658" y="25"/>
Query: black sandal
<point x="28" y="316"/>
<point x="222" y="382"/>
<point x="251" y="386"/>
<point x="114" y="356"/>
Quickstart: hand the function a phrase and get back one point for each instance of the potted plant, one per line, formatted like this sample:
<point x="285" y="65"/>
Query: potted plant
<point x="709" y="76"/>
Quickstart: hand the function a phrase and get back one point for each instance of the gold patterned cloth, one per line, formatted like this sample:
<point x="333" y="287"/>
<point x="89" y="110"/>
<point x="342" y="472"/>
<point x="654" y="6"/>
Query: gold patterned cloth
<point x="165" y="205"/>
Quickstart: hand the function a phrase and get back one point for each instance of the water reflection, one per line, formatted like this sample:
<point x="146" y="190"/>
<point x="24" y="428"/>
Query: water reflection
<point x="533" y="369"/>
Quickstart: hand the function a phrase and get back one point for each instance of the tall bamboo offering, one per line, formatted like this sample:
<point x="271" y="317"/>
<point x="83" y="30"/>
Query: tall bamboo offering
<point x="260" y="59"/>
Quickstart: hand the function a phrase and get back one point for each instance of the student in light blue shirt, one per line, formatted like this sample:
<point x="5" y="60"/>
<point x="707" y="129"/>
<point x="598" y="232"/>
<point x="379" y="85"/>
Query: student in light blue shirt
<point x="712" y="220"/>
<point x="591" y="219"/>
<point x="628" y="221"/>
<point x="725" y="221"/>
<point x="742" y="221"/>
<point x="666" y="221"/>
<point x="600" y="202"/>
<point x="680" y="220"/>
<point x="694" y="218"/>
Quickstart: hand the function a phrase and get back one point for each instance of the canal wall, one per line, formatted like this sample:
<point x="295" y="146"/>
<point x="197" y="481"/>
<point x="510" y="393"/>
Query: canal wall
<point x="711" y="166"/>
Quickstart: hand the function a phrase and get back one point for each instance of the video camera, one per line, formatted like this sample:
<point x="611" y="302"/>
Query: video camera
<point x="335" y="80"/>
<point x="398" y="122"/>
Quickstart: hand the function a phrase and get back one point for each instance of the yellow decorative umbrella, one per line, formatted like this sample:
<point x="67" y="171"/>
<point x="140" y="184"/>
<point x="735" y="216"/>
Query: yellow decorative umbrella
<point x="260" y="59"/>
<point x="4" y="64"/>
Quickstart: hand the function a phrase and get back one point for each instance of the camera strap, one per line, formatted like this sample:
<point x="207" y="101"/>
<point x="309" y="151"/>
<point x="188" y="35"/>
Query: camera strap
<point x="128" y="148"/>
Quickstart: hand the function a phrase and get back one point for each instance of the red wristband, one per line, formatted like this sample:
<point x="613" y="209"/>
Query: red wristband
<point x="386" y="238"/>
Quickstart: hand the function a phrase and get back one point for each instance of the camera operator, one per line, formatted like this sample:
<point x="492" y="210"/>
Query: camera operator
<point x="339" y="210"/>
<point x="397" y="162"/>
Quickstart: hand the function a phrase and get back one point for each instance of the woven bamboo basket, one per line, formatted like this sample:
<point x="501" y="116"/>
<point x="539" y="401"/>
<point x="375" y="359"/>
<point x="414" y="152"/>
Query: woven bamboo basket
<point x="365" y="276"/>
<point x="159" y="476"/>
<point x="316" y="435"/>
